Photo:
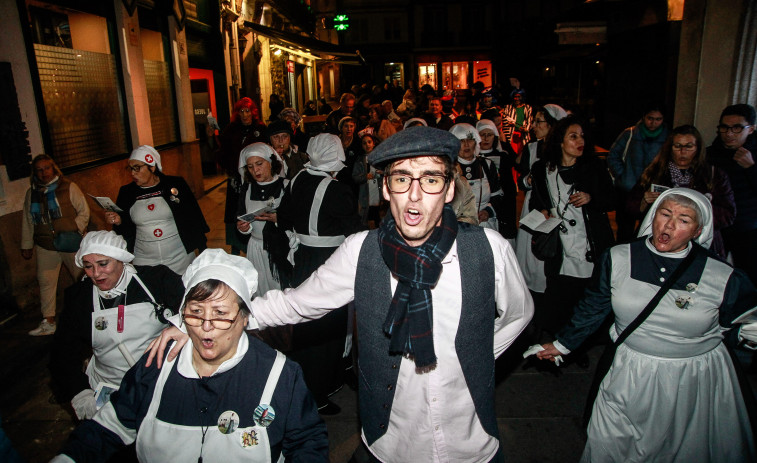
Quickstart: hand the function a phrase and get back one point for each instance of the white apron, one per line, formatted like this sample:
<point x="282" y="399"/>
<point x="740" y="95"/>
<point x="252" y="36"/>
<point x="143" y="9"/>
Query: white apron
<point x="532" y="268"/>
<point x="255" y="251"/>
<point x="158" y="441"/>
<point x="114" y="352"/>
<point x="481" y="190"/>
<point x="575" y="243"/>
<point x="158" y="241"/>
<point x="313" y="239"/>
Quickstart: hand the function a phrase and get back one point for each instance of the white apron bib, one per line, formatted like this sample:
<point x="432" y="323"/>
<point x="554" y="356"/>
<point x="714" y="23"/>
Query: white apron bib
<point x="158" y="441"/>
<point x="157" y="240"/>
<point x="113" y="351"/>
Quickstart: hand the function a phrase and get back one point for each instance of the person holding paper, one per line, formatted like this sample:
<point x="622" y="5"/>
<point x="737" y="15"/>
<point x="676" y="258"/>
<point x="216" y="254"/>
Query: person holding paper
<point x="109" y="319"/>
<point x="682" y="163"/>
<point x="162" y="222"/>
<point x="571" y="183"/>
<point x="262" y="191"/>
<point x="671" y="393"/>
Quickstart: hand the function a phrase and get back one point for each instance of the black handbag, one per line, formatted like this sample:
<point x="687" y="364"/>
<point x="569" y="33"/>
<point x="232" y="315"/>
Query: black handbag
<point x="67" y="241"/>
<point x="546" y="246"/>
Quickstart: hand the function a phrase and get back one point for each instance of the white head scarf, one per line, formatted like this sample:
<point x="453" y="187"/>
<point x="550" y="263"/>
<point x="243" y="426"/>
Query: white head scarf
<point x="415" y="119"/>
<point x="465" y="131"/>
<point x="148" y="155"/>
<point x="326" y="153"/>
<point x="555" y="111"/>
<point x="105" y="243"/>
<point x="261" y="150"/>
<point x="705" y="210"/>
<point x="236" y="272"/>
<point x="486" y="124"/>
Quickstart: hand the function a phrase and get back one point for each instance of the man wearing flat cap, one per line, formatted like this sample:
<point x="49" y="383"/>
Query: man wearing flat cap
<point x="436" y="301"/>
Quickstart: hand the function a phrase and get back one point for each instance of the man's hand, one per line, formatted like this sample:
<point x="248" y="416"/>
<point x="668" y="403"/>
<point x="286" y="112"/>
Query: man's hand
<point x="158" y="345"/>
<point x="27" y="253"/>
<point x="483" y="216"/>
<point x="743" y="158"/>
<point x="549" y="352"/>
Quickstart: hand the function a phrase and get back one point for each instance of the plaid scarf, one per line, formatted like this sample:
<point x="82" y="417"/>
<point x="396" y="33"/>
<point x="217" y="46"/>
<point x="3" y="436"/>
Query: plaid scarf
<point x="410" y="317"/>
<point x="45" y="193"/>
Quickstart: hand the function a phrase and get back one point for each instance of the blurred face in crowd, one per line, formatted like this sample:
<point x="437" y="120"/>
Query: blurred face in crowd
<point x="518" y="99"/>
<point x="259" y="169"/>
<point x="348" y="129"/>
<point x="487" y="139"/>
<point x="435" y="108"/>
<point x="280" y="142"/>
<point x="104" y="271"/>
<point x="373" y="115"/>
<point x="44" y="170"/>
<point x="653" y="120"/>
<point x="368" y="144"/>
<point x="245" y="116"/>
<point x="541" y="128"/>
<point x="731" y="124"/>
<point x="348" y="107"/>
<point x="415" y="211"/>
<point x="683" y="150"/>
<point x="673" y="227"/>
<point x="467" y="149"/>
<point x="573" y="144"/>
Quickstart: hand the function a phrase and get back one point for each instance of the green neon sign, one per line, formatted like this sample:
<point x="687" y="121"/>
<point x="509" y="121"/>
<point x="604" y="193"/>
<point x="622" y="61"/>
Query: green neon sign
<point x="341" y="22"/>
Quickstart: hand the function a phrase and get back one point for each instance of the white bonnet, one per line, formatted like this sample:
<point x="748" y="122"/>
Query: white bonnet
<point x="486" y="124"/>
<point x="415" y="119"/>
<point x="261" y="150"/>
<point x="236" y="272"/>
<point x="465" y="131"/>
<point x="106" y="243"/>
<point x="555" y="111"/>
<point x="705" y="208"/>
<point x="326" y="153"/>
<point x="148" y="155"/>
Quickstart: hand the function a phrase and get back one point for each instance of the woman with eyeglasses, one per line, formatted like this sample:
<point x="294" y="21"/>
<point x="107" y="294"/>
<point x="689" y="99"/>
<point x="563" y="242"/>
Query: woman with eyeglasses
<point x="160" y="219"/>
<point x="572" y="184"/>
<point x="681" y="163"/>
<point x="226" y="397"/>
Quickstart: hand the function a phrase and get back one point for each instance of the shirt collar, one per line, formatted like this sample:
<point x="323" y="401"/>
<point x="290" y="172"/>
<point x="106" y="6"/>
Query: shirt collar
<point x="187" y="370"/>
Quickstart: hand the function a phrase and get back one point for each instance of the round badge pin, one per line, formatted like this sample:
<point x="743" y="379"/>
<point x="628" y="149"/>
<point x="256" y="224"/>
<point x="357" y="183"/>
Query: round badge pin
<point x="249" y="439"/>
<point x="264" y="415"/>
<point x="682" y="302"/>
<point x="101" y="323"/>
<point x="228" y="422"/>
<point x="691" y="287"/>
<point x="174" y="191"/>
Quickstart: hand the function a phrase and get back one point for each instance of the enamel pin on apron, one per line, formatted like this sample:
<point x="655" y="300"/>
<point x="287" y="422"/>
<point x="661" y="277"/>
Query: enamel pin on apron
<point x="683" y="302"/>
<point x="249" y="438"/>
<point x="101" y="323"/>
<point x="228" y="422"/>
<point x="691" y="287"/>
<point x="264" y="415"/>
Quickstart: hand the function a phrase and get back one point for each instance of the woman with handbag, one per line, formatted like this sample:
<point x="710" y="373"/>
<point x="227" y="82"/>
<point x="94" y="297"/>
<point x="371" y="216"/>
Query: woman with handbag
<point x="671" y="393"/>
<point x="56" y="216"/>
<point x="571" y="183"/>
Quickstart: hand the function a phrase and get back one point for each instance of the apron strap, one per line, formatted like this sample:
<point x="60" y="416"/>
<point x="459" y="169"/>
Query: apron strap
<point x="316" y="207"/>
<point x="273" y="378"/>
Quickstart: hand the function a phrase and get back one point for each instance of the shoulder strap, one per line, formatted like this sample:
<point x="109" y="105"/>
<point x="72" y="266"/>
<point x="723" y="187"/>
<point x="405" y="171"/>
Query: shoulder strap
<point x="625" y="151"/>
<point x="695" y="250"/>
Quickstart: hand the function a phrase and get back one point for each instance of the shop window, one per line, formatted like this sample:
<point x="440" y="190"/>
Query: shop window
<point x="156" y="54"/>
<point x="79" y="82"/>
<point x="455" y="75"/>
<point x="394" y="73"/>
<point x="482" y="72"/>
<point x="427" y="74"/>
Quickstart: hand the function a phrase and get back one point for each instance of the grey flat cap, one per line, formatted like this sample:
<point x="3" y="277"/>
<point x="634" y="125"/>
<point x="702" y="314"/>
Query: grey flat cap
<point x="414" y="142"/>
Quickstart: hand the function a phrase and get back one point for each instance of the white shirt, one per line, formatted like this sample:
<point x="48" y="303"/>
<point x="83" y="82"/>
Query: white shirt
<point x="433" y="416"/>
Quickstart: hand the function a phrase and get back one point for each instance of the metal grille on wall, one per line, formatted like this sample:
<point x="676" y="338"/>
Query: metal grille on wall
<point x="161" y="102"/>
<point x="83" y="111"/>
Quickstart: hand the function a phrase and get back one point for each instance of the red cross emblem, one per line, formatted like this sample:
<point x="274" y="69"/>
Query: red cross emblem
<point x="148" y="158"/>
<point x="151" y="206"/>
<point x="158" y="232"/>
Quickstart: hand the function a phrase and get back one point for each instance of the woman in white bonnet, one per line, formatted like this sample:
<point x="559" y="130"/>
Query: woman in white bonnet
<point x="226" y="397"/>
<point x="162" y="222"/>
<point x="108" y="320"/>
<point x="671" y="393"/>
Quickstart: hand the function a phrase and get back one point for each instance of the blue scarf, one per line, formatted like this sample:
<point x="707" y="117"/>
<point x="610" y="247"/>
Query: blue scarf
<point x="45" y="193"/>
<point x="410" y="318"/>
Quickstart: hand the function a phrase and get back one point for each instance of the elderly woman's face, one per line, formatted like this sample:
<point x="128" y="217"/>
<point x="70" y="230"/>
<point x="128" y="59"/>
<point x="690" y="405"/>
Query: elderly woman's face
<point x="141" y="173"/>
<point x="259" y="168"/>
<point x="467" y="149"/>
<point x="673" y="227"/>
<point x="44" y="171"/>
<point x="487" y="139"/>
<point x="683" y="150"/>
<point x="104" y="271"/>
<point x="213" y="346"/>
<point x="540" y="125"/>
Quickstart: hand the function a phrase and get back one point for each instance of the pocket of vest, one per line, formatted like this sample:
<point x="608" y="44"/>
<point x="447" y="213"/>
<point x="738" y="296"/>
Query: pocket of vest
<point x="67" y="241"/>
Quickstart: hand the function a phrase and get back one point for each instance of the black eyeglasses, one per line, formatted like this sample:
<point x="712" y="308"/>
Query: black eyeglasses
<point x="430" y="184"/>
<point x="733" y="128"/>
<point x="136" y="168"/>
<point x="686" y="147"/>
<point x="218" y="323"/>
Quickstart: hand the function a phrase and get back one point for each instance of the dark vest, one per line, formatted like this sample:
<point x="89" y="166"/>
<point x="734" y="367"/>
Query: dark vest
<point x="378" y="369"/>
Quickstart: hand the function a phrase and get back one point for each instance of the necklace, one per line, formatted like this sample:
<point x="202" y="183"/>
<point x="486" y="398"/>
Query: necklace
<point x="204" y="411"/>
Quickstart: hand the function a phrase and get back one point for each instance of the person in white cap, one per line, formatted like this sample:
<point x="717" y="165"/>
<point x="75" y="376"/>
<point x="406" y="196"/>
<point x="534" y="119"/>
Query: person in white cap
<point x="321" y="211"/>
<point x="109" y="319"/>
<point x="55" y="217"/>
<point x="262" y="191"/>
<point x="504" y="163"/>
<point x="671" y="392"/>
<point x="483" y="178"/>
<point x="161" y="220"/>
<point x="227" y="397"/>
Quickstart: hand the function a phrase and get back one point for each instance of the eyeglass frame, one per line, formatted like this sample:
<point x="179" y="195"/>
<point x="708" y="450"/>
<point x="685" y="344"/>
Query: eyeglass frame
<point x="211" y="320"/>
<point x="136" y="169"/>
<point x="686" y="147"/>
<point x="447" y="179"/>
<point x="723" y="129"/>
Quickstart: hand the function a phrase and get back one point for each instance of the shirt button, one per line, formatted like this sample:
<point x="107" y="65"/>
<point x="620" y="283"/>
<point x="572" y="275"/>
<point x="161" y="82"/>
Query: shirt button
<point x="662" y="269"/>
<point x="436" y="428"/>
<point x="394" y="367"/>
<point x="382" y="426"/>
<point x="386" y="406"/>
<point x="662" y="279"/>
<point x="433" y="400"/>
<point x="389" y="387"/>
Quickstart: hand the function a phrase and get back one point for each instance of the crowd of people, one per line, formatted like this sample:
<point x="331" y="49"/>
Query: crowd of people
<point x="354" y="237"/>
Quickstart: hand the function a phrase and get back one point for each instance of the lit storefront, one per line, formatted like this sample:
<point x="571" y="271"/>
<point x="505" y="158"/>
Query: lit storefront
<point x="454" y="75"/>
